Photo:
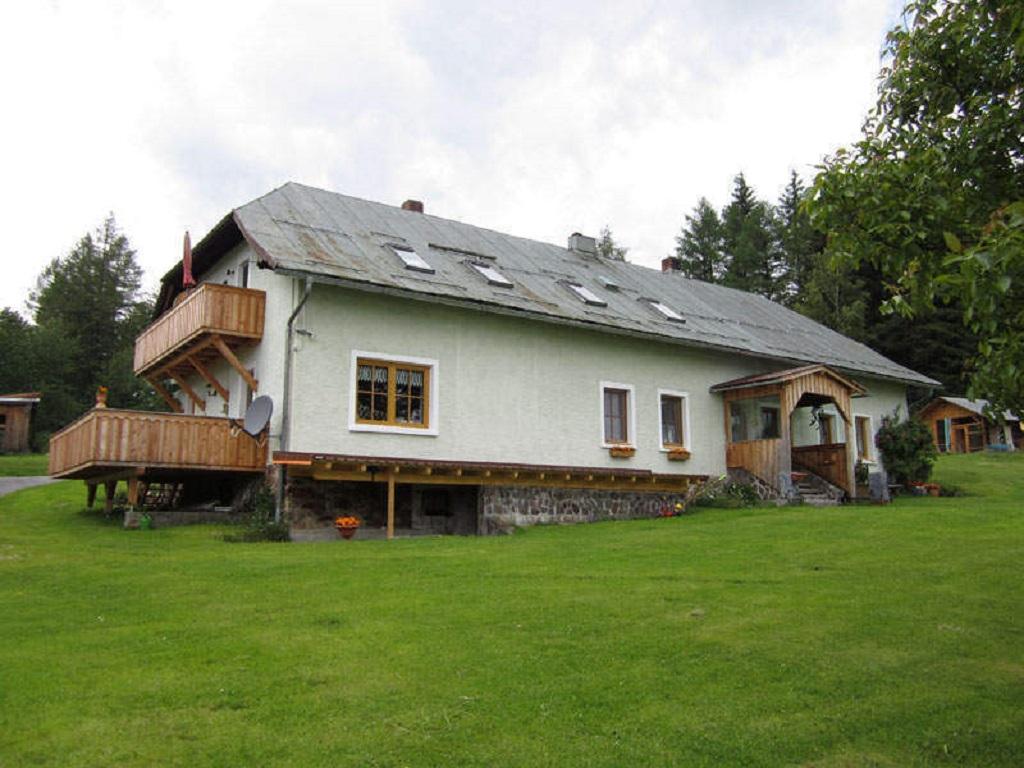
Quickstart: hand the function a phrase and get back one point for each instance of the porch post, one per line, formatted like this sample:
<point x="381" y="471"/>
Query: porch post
<point x="391" y="504"/>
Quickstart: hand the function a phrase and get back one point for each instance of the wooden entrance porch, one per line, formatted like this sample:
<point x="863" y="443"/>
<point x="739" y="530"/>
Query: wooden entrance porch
<point x="759" y="433"/>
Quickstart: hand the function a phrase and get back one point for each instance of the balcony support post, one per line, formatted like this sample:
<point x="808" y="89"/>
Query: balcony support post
<point x="196" y="399"/>
<point x="233" y="361"/>
<point x="170" y="399"/>
<point x="209" y="378"/>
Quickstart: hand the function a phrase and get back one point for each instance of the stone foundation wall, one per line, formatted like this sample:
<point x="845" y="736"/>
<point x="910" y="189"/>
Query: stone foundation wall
<point x="314" y="504"/>
<point x="504" y="508"/>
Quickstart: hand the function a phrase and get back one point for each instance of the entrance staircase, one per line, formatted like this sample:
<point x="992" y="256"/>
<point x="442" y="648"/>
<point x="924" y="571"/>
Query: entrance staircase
<point x="815" y="491"/>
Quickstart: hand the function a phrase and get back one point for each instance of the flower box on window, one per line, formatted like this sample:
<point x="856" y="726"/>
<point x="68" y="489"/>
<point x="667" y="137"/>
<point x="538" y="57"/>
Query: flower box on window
<point x="678" y="454"/>
<point x="621" y="451"/>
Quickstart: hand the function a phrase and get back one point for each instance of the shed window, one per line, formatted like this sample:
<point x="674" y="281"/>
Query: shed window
<point x="667" y="312"/>
<point x="492" y="275"/>
<point x="411" y="259"/>
<point x="587" y="296"/>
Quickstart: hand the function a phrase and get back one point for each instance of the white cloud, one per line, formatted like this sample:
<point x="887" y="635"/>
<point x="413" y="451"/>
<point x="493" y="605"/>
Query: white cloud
<point x="534" y="121"/>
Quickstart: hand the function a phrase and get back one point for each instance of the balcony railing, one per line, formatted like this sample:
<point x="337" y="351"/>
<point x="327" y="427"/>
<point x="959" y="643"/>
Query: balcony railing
<point x="234" y="314"/>
<point x="106" y="440"/>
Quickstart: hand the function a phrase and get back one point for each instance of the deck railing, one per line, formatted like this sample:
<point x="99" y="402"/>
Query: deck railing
<point x="225" y="310"/>
<point x="105" y="439"/>
<point x="827" y="461"/>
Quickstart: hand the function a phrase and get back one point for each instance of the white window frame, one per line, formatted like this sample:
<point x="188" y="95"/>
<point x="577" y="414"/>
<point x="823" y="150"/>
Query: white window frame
<point x="871" y="437"/>
<point x="586" y="295"/>
<point x="685" y="397"/>
<point x="434" y="412"/>
<point x="496" y="277"/>
<point x="415" y="263"/>
<point x="631" y="440"/>
<point x="667" y="312"/>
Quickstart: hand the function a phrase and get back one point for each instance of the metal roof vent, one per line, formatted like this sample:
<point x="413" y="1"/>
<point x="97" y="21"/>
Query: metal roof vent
<point x="582" y="244"/>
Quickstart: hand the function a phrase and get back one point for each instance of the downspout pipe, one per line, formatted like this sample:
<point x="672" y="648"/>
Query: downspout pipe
<point x="286" y="398"/>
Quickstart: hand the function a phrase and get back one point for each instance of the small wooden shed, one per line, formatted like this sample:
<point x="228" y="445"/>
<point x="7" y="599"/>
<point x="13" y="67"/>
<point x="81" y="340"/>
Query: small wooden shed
<point x="16" y="420"/>
<point x="959" y="425"/>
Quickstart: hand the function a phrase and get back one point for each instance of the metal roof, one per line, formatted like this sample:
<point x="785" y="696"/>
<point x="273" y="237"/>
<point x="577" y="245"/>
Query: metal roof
<point x="976" y="406"/>
<point x="302" y="230"/>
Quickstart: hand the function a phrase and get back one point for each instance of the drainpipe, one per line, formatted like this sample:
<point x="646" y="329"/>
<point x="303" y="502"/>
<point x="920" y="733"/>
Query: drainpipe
<point x="286" y="399"/>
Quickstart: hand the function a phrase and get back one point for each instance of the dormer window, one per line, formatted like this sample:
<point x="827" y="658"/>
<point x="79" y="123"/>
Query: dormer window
<point x="586" y="295"/>
<point x="492" y="275"/>
<point x="666" y="311"/>
<point x="411" y="259"/>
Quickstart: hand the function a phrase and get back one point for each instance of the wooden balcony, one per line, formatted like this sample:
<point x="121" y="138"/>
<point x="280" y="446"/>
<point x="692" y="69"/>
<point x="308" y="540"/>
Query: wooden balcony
<point x="106" y="441"/>
<point x="211" y="315"/>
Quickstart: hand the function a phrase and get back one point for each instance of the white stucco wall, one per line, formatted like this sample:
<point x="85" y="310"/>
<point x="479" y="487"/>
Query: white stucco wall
<point x="508" y="389"/>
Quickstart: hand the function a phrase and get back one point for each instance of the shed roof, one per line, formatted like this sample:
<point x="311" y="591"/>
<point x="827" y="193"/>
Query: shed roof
<point x="304" y="231"/>
<point x="20" y="398"/>
<point x="974" y="406"/>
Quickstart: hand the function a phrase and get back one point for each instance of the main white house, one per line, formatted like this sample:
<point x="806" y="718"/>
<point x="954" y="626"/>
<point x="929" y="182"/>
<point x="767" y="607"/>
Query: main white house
<point x="431" y="375"/>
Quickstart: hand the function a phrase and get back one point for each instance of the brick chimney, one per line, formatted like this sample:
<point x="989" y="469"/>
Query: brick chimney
<point x="671" y="264"/>
<point x="413" y="205"/>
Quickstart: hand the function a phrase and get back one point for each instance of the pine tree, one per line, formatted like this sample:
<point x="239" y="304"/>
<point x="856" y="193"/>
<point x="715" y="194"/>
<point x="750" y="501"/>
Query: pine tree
<point x="798" y="242"/>
<point x="608" y="248"/>
<point x="753" y="260"/>
<point x="699" y="246"/>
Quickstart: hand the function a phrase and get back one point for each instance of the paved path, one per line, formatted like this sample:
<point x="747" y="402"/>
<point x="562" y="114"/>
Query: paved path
<point x="11" y="484"/>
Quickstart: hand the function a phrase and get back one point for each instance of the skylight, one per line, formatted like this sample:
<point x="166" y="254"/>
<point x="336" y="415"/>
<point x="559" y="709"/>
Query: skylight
<point x="493" y="276"/>
<point x="411" y="259"/>
<point x="608" y="283"/>
<point x="587" y="296"/>
<point x="667" y="311"/>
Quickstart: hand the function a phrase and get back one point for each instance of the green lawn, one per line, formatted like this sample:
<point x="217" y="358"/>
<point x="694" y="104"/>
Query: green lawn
<point x="854" y="636"/>
<point x="23" y="464"/>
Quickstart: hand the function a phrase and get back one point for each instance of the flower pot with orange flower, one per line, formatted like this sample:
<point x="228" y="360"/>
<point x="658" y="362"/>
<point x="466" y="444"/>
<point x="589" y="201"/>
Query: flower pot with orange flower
<point x="347" y="525"/>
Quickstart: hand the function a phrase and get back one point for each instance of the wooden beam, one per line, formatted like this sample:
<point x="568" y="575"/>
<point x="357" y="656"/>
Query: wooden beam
<point x="196" y="399"/>
<point x="233" y="361"/>
<point x="109" y="489"/>
<point x="208" y="377"/>
<point x="133" y="492"/>
<point x="170" y="399"/>
<point x="666" y="483"/>
<point x="90" y="494"/>
<point x="391" y="506"/>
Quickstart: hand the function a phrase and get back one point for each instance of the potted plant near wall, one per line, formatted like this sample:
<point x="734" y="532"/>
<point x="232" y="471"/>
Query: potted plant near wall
<point x="347" y="525"/>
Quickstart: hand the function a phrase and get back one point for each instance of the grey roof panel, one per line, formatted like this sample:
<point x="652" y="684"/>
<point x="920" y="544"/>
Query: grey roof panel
<point x="303" y="229"/>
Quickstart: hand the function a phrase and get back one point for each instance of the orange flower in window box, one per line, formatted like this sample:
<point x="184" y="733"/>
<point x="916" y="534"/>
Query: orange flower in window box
<point x="621" y="451"/>
<point x="347" y="525"/>
<point x="678" y="454"/>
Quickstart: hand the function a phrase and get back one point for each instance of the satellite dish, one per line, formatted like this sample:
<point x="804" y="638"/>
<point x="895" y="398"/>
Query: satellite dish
<point x="257" y="415"/>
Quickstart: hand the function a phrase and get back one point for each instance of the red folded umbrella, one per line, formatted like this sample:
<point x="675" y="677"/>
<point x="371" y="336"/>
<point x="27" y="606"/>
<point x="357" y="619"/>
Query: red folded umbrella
<point x="187" y="281"/>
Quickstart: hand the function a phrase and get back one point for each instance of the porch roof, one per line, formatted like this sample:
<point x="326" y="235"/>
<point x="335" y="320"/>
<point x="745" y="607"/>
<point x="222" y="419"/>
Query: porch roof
<point x="788" y="375"/>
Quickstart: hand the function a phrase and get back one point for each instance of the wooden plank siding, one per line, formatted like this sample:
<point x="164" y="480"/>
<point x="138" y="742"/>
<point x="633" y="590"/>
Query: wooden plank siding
<point x="106" y="439"/>
<point x="14" y="435"/>
<point x="940" y="410"/>
<point x="759" y="457"/>
<point x="226" y="310"/>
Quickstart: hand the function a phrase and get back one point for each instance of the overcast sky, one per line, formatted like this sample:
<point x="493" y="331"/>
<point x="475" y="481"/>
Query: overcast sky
<point x="531" y="118"/>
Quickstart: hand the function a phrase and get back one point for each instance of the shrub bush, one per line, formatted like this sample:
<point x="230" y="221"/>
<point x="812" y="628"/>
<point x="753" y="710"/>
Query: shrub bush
<point x="907" y="449"/>
<point x="260" y="525"/>
<point x="727" y="495"/>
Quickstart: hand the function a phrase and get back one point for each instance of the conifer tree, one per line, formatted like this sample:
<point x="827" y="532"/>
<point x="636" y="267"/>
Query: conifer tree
<point x="798" y="242"/>
<point x="699" y="246"/>
<point x="747" y="223"/>
<point x="608" y="248"/>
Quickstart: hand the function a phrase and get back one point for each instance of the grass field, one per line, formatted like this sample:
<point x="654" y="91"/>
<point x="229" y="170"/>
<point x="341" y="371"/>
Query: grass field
<point x="22" y="464"/>
<point x="853" y="636"/>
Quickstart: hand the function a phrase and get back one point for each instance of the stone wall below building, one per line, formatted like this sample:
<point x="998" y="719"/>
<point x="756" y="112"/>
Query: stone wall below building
<point x="506" y="507"/>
